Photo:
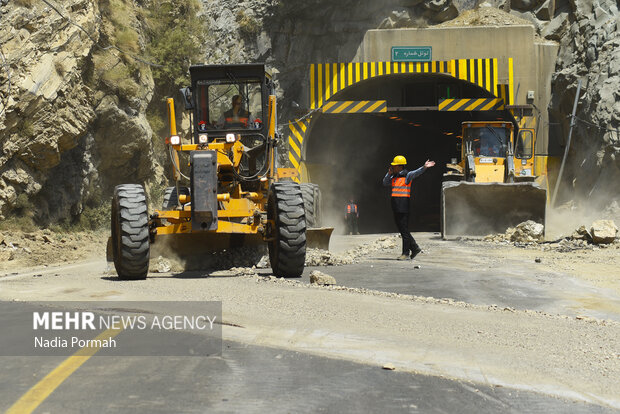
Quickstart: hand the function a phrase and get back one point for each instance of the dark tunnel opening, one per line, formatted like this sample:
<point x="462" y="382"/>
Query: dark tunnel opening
<point x="349" y="154"/>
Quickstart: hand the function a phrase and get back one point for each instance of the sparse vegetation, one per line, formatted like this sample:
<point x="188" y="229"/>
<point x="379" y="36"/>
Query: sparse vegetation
<point x="25" y="3"/>
<point x="18" y="223"/>
<point x="176" y="37"/>
<point x="247" y="23"/>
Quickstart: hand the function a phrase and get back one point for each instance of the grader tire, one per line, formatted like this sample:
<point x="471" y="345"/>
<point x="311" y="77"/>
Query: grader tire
<point x="312" y="204"/>
<point x="287" y="249"/>
<point x="171" y="198"/>
<point x="130" y="232"/>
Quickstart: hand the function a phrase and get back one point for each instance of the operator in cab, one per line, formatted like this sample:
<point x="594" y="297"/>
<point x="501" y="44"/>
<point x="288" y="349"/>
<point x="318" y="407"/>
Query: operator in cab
<point x="400" y="180"/>
<point x="237" y="116"/>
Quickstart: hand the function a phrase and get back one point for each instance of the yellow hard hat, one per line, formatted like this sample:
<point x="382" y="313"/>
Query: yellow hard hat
<point x="399" y="160"/>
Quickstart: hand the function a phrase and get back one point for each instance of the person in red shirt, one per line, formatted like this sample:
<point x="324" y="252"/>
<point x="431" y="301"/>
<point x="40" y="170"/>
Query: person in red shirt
<point x="351" y="215"/>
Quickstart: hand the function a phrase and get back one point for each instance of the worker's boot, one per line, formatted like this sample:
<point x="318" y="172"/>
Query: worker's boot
<point x="416" y="251"/>
<point x="403" y="257"/>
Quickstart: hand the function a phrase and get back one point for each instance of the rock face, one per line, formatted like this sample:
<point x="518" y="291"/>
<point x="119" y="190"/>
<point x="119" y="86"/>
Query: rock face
<point x="72" y="110"/>
<point x="290" y="35"/>
<point x="67" y="134"/>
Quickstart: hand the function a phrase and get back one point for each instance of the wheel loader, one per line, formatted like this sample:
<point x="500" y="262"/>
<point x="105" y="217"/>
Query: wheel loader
<point x="236" y="194"/>
<point x="494" y="186"/>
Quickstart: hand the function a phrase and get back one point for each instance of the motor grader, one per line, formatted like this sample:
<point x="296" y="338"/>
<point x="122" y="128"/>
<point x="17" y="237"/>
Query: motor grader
<point x="495" y="185"/>
<point x="236" y="194"/>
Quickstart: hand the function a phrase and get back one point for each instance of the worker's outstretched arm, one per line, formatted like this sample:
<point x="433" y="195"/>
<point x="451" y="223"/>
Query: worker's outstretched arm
<point x="413" y="174"/>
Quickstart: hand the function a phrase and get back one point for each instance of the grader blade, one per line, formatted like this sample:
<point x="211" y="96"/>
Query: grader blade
<point x="478" y="209"/>
<point x="318" y="238"/>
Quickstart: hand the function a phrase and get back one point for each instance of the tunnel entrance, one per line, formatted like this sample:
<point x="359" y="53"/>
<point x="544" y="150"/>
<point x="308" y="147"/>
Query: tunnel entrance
<point x="349" y="154"/>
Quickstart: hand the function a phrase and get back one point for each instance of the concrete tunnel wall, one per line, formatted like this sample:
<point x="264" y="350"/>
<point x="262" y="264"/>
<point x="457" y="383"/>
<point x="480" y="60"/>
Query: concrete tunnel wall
<point x="348" y="154"/>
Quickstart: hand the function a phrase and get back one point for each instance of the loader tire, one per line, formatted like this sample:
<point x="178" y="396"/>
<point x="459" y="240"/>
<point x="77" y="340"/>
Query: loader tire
<point x="130" y="232"/>
<point x="287" y="248"/>
<point x="171" y="198"/>
<point x="311" y="194"/>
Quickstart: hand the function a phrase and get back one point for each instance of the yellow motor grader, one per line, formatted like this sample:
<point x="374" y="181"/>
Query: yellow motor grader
<point x="494" y="186"/>
<point x="236" y="194"/>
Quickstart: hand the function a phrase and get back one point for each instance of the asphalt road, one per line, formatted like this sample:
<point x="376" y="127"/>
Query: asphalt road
<point x="248" y="378"/>
<point x="254" y="379"/>
<point x="515" y="283"/>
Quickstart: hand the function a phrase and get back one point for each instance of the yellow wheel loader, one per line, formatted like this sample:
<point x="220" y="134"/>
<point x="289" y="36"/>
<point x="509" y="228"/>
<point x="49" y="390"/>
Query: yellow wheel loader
<point x="236" y="195"/>
<point x="494" y="186"/>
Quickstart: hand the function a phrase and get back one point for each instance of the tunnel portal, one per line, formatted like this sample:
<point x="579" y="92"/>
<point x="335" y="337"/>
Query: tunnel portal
<point x="349" y="154"/>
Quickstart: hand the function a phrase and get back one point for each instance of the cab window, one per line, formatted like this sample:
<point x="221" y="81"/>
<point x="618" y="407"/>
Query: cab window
<point x="524" y="148"/>
<point x="229" y="105"/>
<point x="487" y="141"/>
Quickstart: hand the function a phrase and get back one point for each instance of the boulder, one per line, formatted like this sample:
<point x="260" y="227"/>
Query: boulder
<point x="528" y="232"/>
<point x="320" y="278"/>
<point x="603" y="231"/>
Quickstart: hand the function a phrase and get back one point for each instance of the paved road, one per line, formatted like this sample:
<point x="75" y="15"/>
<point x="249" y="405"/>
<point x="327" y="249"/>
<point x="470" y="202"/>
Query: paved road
<point x="518" y="283"/>
<point x="253" y="379"/>
<point x="247" y="378"/>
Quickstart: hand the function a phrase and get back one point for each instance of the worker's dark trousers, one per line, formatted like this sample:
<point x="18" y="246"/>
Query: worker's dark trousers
<point x="352" y="223"/>
<point x="402" y="222"/>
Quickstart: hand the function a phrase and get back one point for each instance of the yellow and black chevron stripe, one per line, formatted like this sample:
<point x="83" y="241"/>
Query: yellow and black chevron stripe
<point x="354" y="107"/>
<point x="327" y="79"/>
<point x="471" y="104"/>
<point x="297" y="132"/>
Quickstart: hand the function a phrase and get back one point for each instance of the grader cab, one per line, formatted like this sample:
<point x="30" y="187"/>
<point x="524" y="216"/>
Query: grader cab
<point x="236" y="194"/>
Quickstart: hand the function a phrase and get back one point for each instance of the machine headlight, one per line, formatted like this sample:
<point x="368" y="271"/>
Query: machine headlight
<point x="203" y="138"/>
<point x="230" y="138"/>
<point x="175" y="140"/>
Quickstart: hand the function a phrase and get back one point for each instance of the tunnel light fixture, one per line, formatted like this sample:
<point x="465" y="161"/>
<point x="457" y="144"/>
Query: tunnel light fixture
<point x="417" y="125"/>
<point x="393" y="117"/>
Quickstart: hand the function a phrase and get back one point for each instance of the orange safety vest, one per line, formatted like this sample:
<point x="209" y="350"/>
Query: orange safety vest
<point x="351" y="207"/>
<point x="242" y="118"/>
<point x="400" y="188"/>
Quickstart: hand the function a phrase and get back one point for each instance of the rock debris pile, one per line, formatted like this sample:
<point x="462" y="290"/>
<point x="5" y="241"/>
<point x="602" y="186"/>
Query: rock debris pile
<point x="600" y="232"/>
<point x="317" y="257"/>
<point x="239" y="258"/>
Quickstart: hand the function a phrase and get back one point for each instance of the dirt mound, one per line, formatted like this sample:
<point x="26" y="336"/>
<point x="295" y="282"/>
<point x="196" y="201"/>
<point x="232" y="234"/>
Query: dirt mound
<point x="43" y="247"/>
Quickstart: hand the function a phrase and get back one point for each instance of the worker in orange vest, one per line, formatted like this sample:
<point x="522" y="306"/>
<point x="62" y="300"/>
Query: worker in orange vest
<point x="237" y="116"/>
<point x="400" y="179"/>
<point x="351" y="215"/>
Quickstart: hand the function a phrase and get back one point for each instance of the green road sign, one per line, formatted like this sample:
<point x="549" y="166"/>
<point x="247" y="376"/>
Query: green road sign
<point x="412" y="53"/>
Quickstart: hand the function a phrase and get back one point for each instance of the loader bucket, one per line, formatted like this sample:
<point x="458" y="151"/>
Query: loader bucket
<point x="478" y="209"/>
<point x="318" y="238"/>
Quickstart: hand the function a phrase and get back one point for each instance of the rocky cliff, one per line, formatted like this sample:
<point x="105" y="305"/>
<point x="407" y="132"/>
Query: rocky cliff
<point x="72" y="120"/>
<point x="77" y="88"/>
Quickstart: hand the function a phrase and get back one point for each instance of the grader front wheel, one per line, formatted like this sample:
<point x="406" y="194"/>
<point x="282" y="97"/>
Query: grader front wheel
<point x="287" y="248"/>
<point x="130" y="232"/>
